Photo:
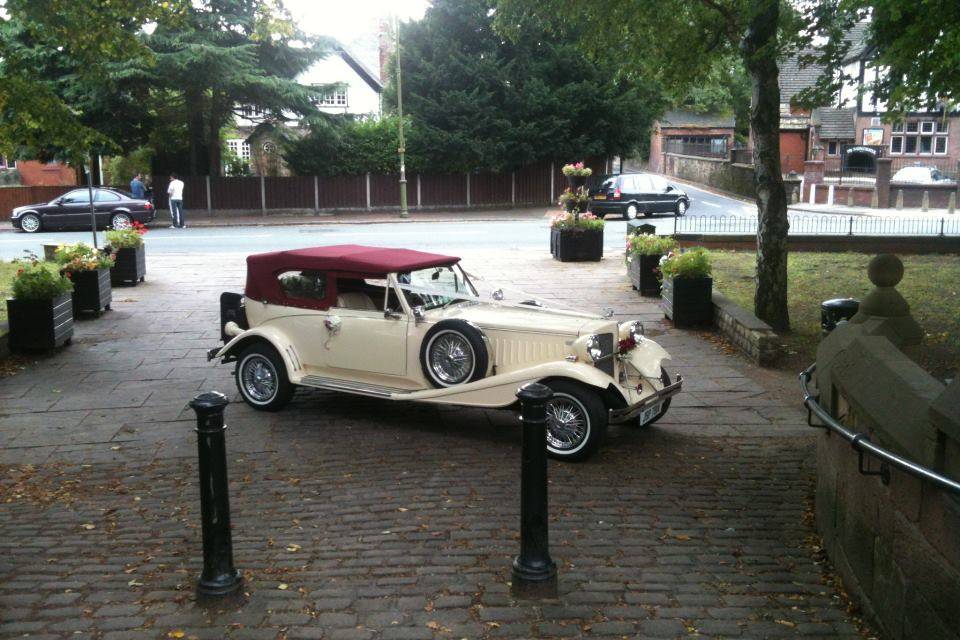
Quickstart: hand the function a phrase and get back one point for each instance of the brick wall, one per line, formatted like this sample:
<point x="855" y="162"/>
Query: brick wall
<point x="715" y="172"/>
<point x="752" y="336"/>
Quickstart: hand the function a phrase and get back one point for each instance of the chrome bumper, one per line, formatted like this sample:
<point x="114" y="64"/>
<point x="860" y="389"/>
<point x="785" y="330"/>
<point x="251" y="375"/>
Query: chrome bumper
<point x="634" y="410"/>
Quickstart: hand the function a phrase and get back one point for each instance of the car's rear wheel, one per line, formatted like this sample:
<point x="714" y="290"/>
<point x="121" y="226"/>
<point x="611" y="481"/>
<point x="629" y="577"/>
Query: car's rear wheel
<point x="452" y="353"/>
<point x="31" y="223"/>
<point x="576" y="421"/>
<point x="630" y="213"/>
<point x="262" y="378"/>
<point x="681" y="207"/>
<point x="120" y="221"/>
<point x="665" y="379"/>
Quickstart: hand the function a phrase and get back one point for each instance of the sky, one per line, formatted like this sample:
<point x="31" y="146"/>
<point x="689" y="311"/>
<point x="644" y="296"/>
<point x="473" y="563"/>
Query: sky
<point x="349" y="19"/>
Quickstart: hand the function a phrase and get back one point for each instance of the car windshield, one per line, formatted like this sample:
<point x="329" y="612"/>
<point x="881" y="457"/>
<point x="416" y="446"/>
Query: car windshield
<point x="436" y="287"/>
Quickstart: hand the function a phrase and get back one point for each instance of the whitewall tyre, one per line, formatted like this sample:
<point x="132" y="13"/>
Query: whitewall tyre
<point x="453" y="352"/>
<point x="120" y="221"/>
<point x="630" y="213"/>
<point x="262" y="378"/>
<point x="576" y="421"/>
<point x="681" y="207"/>
<point x="30" y="223"/>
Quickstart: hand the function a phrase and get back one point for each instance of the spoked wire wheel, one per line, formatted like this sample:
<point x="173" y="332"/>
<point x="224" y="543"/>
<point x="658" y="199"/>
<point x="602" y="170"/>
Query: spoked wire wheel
<point x="450" y="358"/>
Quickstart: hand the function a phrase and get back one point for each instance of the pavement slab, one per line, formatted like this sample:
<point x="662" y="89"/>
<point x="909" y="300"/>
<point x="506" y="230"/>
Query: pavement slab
<point x="366" y="518"/>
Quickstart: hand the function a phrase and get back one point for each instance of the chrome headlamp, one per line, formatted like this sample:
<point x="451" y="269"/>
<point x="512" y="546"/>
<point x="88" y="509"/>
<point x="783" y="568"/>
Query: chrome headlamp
<point x="636" y="331"/>
<point x="594" y="350"/>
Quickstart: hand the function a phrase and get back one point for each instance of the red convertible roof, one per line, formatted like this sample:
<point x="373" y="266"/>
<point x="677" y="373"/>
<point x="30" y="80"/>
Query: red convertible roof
<point x="345" y="258"/>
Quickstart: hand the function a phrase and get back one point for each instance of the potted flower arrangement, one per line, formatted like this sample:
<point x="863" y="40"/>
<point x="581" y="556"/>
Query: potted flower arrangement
<point x="41" y="312"/>
<point x="89" y="269"/>
<point x="130" y="256"/>
<point x="576" y="235"/>
<point x="686" y="297"/>
<point x="644" y="251"/>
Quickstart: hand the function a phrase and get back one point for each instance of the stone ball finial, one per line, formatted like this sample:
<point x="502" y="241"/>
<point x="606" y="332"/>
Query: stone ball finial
<point x="885" y="270"/>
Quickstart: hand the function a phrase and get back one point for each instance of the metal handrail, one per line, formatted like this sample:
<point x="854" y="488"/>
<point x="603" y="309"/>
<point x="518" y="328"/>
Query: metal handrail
<point x="861" y="442"/>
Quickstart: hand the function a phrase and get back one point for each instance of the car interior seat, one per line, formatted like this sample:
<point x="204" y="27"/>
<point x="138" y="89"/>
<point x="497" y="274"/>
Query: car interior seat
<point x="356" y="300"/>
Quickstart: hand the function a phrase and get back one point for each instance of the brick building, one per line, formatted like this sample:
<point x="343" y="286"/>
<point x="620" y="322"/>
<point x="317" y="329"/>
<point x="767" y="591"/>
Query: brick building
<point x="702" y="134"/>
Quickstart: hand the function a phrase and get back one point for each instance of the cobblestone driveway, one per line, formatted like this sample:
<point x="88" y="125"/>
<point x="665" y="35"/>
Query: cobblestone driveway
<point x="361" y="518"/>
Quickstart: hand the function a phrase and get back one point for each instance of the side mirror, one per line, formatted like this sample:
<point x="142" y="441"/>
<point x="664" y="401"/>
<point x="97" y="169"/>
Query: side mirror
<point x="58" y="201"/>
<point x="497" y="295"/>
<point x="390" y="314"/>
<point x="418" y="314"/>
<point x="669" y="187"/>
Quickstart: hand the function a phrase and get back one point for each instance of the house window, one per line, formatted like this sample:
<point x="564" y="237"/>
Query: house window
<point x="831" y="148"/>
<point x="940" y="146"/>
<point x="923" y="137"/>
<point x="913" y="127"/>
<point x="926" y="144"/>
<point x="335" y="98"/>
<point x="926" y="126"/>
<point x="943" y="126"/>
<point x="910" y="145"/>
<point x="239" y="147"/>
<point x="898" y="127"/>
<point x="249" y="111"/>
<point x="896" y="144"/>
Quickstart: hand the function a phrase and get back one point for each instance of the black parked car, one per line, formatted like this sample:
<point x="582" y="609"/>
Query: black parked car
<point x="630" y="194"/>
<point x="113" y="208"/>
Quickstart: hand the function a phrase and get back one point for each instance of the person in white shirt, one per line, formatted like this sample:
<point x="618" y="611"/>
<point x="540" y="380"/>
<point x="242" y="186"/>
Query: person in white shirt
<point x="175" y="191"/>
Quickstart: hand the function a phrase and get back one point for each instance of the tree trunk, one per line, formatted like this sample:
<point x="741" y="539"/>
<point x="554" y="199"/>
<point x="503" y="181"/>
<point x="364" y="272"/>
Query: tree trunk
<point x="194" y="127"/>
<point x="759" y="49"/>
<point x="213" y="141"/>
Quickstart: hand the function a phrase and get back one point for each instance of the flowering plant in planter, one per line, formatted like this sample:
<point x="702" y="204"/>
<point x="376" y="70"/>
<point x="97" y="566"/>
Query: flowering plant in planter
<point x="38" y="281"/>
<point x="649" y="244"/>
<point x="574" y="222"/>
<point x="82" y="257"/>
<point x="575" y="200"/>
<point x="129" y="238"/>
<point x="577" y="169"/>
<point x="694" y="263"/>
<point x="686" y="296"/>
<point x="40" y="312"/>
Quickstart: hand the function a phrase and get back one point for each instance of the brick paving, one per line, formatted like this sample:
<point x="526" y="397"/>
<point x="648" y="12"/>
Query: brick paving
<point x="364" y="518"/>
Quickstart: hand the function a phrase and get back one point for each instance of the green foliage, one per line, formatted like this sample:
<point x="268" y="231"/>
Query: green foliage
<point x="82" y="257"/>
<point x="35" y="280"/>
<point x="649" y="244"/>
<point x="9" y="178"/>
<point x="575" y="201"/>
<point x="341" y="146"/>
<point x="694" y="263"/>
<point x="121" y="169"/>
<point x="584" y="221"/>
<point x="131" y="238"/>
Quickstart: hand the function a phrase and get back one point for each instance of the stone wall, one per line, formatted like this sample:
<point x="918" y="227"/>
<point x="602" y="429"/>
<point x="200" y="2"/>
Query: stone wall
<point x="715" y="172"/>
<point x="752" y="336"/>
<point x="896" y="544"/>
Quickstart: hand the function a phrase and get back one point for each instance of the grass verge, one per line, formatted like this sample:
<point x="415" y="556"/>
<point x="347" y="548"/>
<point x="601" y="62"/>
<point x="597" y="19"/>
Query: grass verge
<point x="931" y="284"/>
<point x="7" y="269"/>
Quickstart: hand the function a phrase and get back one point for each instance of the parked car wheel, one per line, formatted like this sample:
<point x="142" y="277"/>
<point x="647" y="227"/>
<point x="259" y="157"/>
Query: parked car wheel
<point x="576" y="421"/>
<point x="630" y="213"/>
<point x="665" y="379"/>
<point x="262" y="378"/>
<point x="30" y="223"/>
<point x="681" y="207"/>
<point x="120" y="221"/>
<point x="453" y="352"/>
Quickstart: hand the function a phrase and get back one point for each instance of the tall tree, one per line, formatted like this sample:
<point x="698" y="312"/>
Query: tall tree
<point x="230" y="53"/>
<point x="677" y="42"/>
<point x="477" y="101"/>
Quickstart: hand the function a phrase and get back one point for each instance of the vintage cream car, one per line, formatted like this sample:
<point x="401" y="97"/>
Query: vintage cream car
<point x="407" y="325"/>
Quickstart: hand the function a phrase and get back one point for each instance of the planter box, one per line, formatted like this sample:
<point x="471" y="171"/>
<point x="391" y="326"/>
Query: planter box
<point x="131" y="266"/>
<point x="567" y="245"/>
<point x="91" y="291"/>
<point x="688" y="301"/>
<point x="40" y="324"/>
<point x="643" y="275"/>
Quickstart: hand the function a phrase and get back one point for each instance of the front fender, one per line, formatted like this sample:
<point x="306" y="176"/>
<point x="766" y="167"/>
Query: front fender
<point x="501" y="390"/>
<point x="277" y="339"/>
<point x="647" y="358"/>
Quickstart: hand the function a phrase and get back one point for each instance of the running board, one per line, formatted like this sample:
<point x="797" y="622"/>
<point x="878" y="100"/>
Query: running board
<point x="360" y="388"/>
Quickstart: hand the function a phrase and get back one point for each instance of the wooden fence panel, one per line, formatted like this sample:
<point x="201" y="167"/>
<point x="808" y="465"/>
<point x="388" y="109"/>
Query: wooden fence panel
<point x="343" y="192"/>
<point x="533" y="184"/>
<point x="443" y="189"/>
<point x="490" y="189"/>
<point x="12" y="197"/>
<point x="233" y="193"/>
<point x="194" y="192"/>
<point x="294" y="192"/>
<point x="385" y="191"/>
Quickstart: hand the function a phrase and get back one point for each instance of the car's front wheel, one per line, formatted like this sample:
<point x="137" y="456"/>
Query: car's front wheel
<point x="120" y="221"/>
<point x="630" y="213"/>
<point x="576" y="420"/>
<point x="262" y="378"/>
<point x="681" y="207"/>
<point x="30" y="223"/>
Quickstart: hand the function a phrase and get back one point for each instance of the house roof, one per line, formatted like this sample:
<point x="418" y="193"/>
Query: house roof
<point x="688" y="119"/>
<point x="795" y="77"/>
<point x="836" y="123"/>
<point x="858" y="37"/>
<point x="359" y="68"/>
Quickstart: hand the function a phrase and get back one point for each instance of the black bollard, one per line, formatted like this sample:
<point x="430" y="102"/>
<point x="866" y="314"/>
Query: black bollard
<point x="219" y="577"/>
<point x="534" y="573"/>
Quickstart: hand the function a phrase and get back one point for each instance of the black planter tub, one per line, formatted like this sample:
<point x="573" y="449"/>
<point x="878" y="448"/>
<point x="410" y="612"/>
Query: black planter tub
<point x="643" y="274"/>
<point x="130" y="267"/>
<point x="576" y="245"/>
<point x="91" y="291"/>
<point x="40" y="325"/>
<point x="688" y="301"/>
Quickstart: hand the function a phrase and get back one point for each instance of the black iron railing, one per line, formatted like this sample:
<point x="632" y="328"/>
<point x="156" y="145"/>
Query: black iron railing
<point x="862" y="444"/>
<point x="825" y="225"/>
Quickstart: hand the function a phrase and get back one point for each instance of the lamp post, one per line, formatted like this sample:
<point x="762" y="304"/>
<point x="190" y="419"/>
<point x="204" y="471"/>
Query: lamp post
<point x="404" y="213"/>
<point x="93" y="213"/>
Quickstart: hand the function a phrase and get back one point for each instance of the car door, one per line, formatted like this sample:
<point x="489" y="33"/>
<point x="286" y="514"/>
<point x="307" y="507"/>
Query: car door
<point x="641" y="193"/>
<point x="363" y="340"/>
<point x="69" y="209"/>
<point x="104" y="202"/>
<point x="663" y="195"/>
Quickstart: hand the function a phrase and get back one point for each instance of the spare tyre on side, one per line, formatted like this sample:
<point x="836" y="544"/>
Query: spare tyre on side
<point x="453" y="352"/>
